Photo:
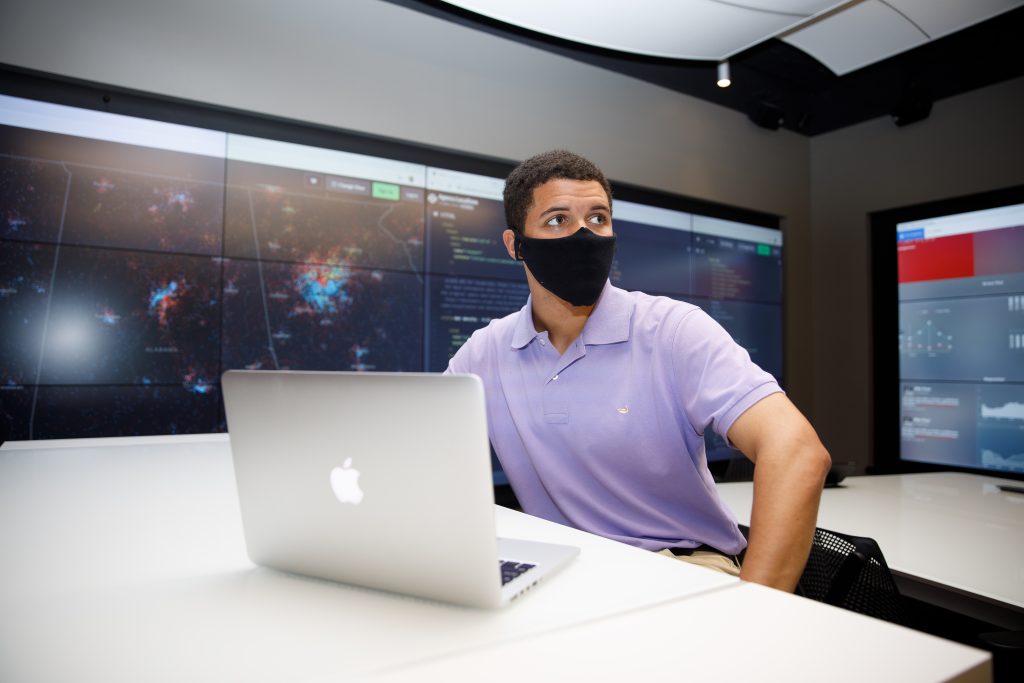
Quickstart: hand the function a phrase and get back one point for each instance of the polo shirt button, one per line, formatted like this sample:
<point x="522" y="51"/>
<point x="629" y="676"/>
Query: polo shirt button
<point x="543" y="343"/>
<point x="555" y="377"/>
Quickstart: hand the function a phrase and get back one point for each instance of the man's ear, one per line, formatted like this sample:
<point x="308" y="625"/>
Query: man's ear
<point x="509" y="237"/>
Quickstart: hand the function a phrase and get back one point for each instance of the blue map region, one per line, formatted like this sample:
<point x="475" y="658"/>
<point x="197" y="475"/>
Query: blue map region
<point x="162" y="294"/>
<point x="322" y="286"/>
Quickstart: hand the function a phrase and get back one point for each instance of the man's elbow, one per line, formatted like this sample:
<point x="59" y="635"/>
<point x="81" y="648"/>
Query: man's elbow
<point x="821" y="461"/>
<point x="814" y="458"/>
<point x="809" y="457"/>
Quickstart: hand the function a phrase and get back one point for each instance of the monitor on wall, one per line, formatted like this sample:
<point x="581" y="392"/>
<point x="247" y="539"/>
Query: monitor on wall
<point x="949" y="349"/>
<point x="143" y="255"/>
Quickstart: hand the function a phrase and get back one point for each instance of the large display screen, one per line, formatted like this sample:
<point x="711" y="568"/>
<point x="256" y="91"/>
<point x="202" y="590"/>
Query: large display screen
<point x="141" y="259"/>
<point x="961" y="339"/>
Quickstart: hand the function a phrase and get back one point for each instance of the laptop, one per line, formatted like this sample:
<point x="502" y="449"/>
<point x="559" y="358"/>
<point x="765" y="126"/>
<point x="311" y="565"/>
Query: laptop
<point x="380" y="480"/>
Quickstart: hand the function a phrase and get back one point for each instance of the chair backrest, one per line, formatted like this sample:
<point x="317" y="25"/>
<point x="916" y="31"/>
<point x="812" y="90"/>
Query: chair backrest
<point x="850" y="572"/>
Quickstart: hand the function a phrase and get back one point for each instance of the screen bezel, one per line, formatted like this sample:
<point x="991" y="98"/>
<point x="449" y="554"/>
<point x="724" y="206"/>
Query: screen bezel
<point x="885" y="325"/>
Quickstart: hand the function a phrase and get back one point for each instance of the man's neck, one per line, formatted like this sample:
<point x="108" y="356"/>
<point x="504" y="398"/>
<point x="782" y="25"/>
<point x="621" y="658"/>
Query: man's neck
<point x="561" y="320"/>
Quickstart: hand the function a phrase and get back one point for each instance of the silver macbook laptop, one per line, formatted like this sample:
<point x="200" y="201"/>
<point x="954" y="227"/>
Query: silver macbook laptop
<point x="376" y="479"/>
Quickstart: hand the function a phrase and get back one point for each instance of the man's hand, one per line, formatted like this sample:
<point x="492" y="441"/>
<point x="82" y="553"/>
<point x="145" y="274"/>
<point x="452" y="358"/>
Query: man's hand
<point x="791" y="468"/>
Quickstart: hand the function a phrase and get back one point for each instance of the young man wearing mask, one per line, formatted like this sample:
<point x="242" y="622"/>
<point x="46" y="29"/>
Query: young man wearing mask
<point x="598" y="398"/>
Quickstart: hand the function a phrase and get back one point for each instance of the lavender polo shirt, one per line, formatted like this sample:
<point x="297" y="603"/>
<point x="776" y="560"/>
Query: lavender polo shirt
<point x="608" y="437"/>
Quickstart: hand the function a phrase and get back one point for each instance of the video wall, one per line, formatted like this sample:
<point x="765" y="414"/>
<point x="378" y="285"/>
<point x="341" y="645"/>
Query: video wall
<point x="961" y="339"/>
<point x="141" y="259"/>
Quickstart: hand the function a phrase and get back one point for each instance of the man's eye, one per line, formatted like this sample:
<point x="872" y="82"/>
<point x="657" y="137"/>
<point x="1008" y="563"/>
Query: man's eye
<point x="598" y="219"/>
<point x="556" y="220"/>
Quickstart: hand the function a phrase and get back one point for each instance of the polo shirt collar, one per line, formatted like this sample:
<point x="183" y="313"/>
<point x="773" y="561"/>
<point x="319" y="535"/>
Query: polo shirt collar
<point x="608" y="323"/>
<point x="524" y="332"/>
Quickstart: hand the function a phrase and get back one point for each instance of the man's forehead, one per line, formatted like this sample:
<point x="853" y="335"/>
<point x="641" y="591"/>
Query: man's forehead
<point x="559" y="190"/>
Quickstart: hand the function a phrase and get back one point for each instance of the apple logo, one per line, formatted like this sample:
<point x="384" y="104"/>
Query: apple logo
<point x="345" y="483"/>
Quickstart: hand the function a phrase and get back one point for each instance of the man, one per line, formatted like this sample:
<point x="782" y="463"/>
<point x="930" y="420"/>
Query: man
<point x="598" y="398"/>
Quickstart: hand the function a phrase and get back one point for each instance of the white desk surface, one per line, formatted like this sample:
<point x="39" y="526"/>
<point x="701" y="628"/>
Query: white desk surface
<point x="746" y="633"/>
<point x="951" y="529"/>
<point x="123" y="559"/>
<point x="130" y="547"/>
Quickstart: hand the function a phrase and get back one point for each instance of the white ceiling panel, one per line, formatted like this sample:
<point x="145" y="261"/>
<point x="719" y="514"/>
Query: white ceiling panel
<point x="843" y="35"/>
<point x="939" y="18"/>
<point x="870" y="31"/>
<point x="857" y="36"/>
<point x="681" y="29"/>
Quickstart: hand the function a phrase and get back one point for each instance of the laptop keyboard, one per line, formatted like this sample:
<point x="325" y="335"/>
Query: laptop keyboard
<point x="510" y="570"/>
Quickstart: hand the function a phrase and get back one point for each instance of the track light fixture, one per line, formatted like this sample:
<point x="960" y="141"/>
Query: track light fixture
<point x="723" y="74"/>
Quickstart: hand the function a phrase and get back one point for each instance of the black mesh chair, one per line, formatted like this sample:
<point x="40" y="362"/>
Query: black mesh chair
<point x="850" y="572"/>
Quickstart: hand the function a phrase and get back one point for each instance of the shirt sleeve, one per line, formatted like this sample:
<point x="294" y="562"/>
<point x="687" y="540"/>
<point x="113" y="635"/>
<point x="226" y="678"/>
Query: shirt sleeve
<point x="463" y="361"/>
<point x="715" y="378"/>
<point x="456" y="364"/>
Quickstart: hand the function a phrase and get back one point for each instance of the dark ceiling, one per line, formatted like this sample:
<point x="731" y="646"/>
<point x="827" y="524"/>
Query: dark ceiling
<point x="776" y="84"/>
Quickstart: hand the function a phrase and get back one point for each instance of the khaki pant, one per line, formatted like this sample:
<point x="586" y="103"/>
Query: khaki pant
<point x="707" y="559"/>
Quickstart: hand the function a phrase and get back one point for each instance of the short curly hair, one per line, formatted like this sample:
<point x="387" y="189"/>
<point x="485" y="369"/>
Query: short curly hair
<point x="539" y="169"/>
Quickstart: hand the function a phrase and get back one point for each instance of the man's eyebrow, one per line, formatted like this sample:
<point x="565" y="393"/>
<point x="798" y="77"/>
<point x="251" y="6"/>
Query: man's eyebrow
<point x="553" y="209"/>
<point x="595" y="207"/>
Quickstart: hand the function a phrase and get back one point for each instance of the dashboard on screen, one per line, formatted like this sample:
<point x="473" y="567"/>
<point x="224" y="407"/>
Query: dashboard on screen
<point x="140" y="259"/>
<point x="960" y="335"/>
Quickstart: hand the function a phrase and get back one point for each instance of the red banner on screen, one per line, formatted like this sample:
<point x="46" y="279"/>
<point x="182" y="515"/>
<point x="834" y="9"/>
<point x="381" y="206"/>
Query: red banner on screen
<point x="936" y="259"/>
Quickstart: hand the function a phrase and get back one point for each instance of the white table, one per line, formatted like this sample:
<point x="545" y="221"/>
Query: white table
<point x="747" y="633"/>
<point x="951" y="539"/>
<point x="123" y="561"/>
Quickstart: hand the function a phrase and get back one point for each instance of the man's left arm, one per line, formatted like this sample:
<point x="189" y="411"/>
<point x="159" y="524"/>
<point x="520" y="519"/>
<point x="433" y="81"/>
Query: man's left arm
<point x="791" y="464"/>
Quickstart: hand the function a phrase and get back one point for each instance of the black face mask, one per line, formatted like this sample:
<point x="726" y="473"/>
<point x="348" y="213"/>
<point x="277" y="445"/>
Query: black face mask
<point x="573" y="268"/>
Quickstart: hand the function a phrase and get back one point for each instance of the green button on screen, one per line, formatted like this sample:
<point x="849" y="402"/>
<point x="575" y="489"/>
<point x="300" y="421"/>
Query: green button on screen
<point x="386" y="191"/>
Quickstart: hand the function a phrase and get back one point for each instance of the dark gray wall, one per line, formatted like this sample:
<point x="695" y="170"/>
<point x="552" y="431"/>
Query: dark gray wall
<point x="970" y="143"/>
